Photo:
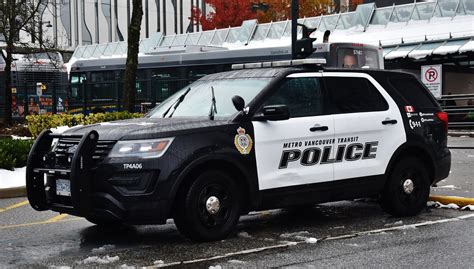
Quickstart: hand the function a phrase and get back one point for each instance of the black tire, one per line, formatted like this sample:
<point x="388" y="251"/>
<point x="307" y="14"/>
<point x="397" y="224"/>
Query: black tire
<point x="396" y="199"/>
<point x="192" y="217"/>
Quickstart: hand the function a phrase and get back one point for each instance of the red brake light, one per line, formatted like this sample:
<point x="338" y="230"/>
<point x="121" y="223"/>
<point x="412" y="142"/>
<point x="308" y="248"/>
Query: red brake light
<point x="443" y="116"/>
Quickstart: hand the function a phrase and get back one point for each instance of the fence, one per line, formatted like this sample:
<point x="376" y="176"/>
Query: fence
<point x="460" y="108"/>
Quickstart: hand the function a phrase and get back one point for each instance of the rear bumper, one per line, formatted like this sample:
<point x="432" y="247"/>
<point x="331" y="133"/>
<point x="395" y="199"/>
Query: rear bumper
<point x="442" y="166"/>
<point x="99" y="193"/>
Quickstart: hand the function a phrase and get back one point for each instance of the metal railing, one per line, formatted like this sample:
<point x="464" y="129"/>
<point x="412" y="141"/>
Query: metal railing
<point x="460" y="109"/>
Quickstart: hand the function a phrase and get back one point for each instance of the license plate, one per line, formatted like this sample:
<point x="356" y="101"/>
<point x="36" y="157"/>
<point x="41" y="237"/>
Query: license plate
<point x="63" y="187"/>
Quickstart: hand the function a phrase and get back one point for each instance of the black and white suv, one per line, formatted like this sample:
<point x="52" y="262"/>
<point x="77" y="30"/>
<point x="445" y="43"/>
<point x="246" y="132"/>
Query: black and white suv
<point x="245" y="140"/>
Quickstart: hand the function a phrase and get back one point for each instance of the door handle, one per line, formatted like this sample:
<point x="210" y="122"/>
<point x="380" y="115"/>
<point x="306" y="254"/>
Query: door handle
<point x="318" y="128"/>
<point x="385" y="122"/>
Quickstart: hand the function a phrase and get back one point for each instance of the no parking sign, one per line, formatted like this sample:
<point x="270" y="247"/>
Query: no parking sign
<point x="431" y="77"/>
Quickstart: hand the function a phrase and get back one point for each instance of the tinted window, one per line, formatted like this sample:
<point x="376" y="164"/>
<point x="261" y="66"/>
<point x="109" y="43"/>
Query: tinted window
<point x="413" y="92"/>
<point x="301" y="95"/>
<point x="351" y="95"/>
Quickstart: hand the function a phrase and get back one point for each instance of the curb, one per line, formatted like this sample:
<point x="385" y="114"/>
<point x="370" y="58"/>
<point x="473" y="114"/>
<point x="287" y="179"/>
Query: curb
<point x="459" y="201"/>
<point x="13" y="192"/>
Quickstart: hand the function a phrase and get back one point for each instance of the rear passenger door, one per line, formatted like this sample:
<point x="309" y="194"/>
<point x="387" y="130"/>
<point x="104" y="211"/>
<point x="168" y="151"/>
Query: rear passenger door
<point x="293" y="152"/>
<point x="367" y="124"/>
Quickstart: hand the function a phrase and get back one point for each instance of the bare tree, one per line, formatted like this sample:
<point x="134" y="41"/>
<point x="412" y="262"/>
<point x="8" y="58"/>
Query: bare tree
<point x="130" y="77"/>
<point x="16" y="17"/>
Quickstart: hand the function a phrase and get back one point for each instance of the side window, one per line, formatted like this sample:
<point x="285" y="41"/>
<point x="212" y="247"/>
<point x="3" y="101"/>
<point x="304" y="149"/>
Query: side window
<point x="352" y="95"/>
<point x="301" y="95"/>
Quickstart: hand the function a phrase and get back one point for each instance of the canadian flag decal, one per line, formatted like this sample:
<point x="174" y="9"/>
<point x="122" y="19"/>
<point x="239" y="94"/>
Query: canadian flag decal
<point x="409" y="109"/>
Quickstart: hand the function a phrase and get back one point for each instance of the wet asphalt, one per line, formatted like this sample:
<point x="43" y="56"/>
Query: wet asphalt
<point x="348" y="233"/>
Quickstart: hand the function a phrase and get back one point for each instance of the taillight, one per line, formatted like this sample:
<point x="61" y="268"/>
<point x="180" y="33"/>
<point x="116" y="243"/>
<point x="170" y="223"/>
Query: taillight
<point x="443" y="116"/>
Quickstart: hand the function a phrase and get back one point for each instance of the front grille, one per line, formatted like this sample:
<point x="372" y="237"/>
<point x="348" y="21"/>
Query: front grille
<point x="66" y="147"/>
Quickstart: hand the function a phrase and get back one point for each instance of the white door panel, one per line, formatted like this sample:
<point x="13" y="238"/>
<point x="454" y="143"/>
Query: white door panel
<point x="276" y="147"/>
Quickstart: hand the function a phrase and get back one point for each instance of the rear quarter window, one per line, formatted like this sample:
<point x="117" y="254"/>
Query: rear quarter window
<point x="413" y="92"/>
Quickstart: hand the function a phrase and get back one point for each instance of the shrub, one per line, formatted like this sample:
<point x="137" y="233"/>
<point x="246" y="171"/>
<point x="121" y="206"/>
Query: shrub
<point x="14" y="153"/>
<point x="38" y="123"/>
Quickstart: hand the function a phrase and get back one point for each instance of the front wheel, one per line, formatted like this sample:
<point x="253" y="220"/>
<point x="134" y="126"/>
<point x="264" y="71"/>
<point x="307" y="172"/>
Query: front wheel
<point x="407" y="189"/>
<point x="210" y="208"/>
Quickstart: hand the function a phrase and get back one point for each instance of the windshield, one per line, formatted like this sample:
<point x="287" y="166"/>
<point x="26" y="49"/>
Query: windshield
<point x="197" y="102"/>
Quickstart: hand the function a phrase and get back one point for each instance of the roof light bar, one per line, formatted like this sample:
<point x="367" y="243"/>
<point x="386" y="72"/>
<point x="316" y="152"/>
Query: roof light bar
<point x="284" y="63"/>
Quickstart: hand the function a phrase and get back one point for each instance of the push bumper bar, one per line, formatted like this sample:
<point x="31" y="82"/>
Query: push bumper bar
<point x="79" y="173"/>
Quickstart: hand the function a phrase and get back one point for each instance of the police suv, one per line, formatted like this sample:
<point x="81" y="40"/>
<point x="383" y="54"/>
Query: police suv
<point x="267" y="135"/>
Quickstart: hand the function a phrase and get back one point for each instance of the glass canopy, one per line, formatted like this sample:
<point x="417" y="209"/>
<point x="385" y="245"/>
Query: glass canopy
<point x="365" y="16"/>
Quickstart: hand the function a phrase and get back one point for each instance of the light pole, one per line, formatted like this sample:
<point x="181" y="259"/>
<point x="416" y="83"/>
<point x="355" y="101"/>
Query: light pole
<point x="294" y="26"/>
<point x="40" y="37"/>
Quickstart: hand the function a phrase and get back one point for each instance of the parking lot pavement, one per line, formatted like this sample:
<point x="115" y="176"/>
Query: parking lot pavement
<point x="46" y="239"/>
<point x="461" y="178"/>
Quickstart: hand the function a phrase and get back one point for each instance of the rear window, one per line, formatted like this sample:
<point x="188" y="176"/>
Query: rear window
<point x="413" y="92"/>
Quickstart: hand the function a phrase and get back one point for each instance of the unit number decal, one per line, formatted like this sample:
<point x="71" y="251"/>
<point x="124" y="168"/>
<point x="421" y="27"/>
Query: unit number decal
<point x="242" y="141"/>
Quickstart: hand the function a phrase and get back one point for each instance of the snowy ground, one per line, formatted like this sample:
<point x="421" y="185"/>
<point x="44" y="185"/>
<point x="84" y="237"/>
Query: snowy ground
<point x="11" y="179"/>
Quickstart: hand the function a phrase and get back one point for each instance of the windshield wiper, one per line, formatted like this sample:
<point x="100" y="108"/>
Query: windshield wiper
<point x="176" y="103"/>
<point x="213" y="110"/>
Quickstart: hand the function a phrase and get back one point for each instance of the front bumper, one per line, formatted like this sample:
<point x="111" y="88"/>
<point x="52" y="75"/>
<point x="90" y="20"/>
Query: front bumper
<point x="101" y="192"/>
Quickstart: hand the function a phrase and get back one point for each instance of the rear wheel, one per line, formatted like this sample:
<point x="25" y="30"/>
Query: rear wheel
<point x="407" y="189"/>
<point x="210" y="208"/>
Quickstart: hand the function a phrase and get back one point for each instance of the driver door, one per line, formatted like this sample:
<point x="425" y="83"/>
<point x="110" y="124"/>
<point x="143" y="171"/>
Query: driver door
<point x="296" y="151"/>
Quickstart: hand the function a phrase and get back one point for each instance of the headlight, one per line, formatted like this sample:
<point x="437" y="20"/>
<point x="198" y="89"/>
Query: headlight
<point x="152" y="148"/>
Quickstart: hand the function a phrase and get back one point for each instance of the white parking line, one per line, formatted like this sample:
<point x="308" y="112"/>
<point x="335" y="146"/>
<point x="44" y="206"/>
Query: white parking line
<point x="288" y="244"/>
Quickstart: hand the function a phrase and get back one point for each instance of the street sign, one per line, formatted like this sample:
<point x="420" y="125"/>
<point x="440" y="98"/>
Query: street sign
<point x="431" y="76"/>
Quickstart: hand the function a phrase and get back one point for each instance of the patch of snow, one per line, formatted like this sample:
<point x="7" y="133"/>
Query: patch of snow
<point x="289" y="235"/>
<point x="468" y="207"/>
<point x="12" y="179"/>
<point x="15" y="137"/>
<point x="60" y="267"/>
<point x="100" y="260"/>
<point x="215" y="267"/>
<point x="102" y="249"/>
<point x="236" y="262"/>
<point x="447" y="187"/>
<point x="158" y="262"/>
<point x="311" y="240"/>
<point x="62" y="129"/>
<point x="353" y="245"/>
<point x="337" y="227"/>
<point x="448" y="206"/>
<point x="125" y="266"/>
<point x="398" y="223"/>
<point x="244" y="235"/>
<point x="268" y="239"/>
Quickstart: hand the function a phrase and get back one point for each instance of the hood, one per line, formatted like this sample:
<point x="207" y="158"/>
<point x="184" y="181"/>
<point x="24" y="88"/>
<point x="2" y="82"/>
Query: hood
<point x="146" y="128"/>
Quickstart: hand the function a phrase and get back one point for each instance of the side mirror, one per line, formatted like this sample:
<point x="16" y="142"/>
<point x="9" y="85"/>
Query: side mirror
<point x="274" y="112"/>
<point x="239" y="102"/>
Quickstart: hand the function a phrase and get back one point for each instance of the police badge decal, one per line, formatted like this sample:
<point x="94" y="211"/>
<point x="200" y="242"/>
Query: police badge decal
<point x="243" y="142"/>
